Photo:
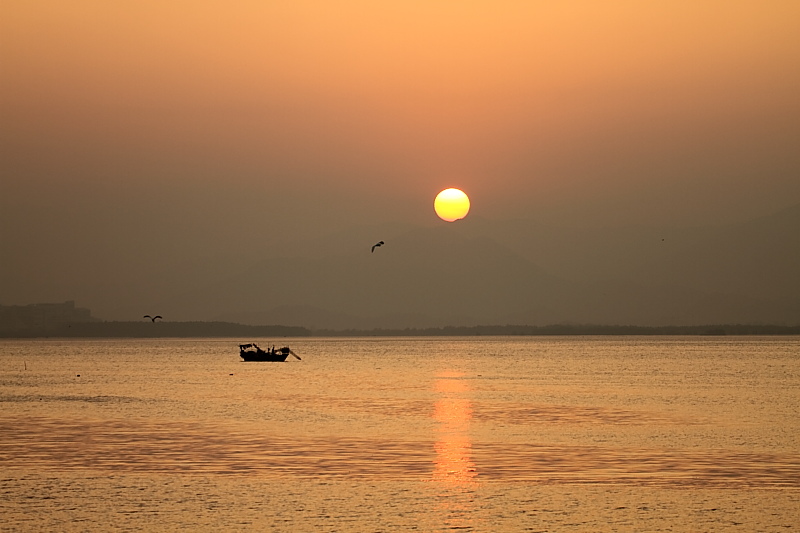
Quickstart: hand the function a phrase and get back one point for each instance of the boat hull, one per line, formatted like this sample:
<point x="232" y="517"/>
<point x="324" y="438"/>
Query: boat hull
<point x="251" y="352"/>
<point x="265" y="356"/>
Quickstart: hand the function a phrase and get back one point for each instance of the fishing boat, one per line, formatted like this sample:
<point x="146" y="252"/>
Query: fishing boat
<point x="251" y="352"/>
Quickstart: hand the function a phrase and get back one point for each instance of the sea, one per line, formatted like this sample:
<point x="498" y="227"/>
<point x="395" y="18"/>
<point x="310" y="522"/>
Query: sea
<point x="379" y="434"/>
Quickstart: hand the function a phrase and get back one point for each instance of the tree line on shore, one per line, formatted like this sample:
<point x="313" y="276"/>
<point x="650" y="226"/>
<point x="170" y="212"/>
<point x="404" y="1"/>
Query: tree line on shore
<point x="229" y="329"/>
<point x="568" y="329"/>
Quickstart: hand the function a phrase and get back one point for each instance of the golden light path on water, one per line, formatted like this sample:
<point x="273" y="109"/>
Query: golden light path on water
<point x="454" y="468"/>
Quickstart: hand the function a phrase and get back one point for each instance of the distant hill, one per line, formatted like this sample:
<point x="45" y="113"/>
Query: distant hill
<point x="424" y="277"/>
<point x="480" y="272"/>
<point x="759" y="259"/>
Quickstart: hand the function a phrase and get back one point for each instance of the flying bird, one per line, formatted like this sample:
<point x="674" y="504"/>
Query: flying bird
<point x="381" y="243"/>
<point x="153" y="318"/>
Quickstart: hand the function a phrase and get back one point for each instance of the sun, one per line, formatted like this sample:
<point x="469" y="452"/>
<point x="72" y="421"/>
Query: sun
<point x="451" y="205"/>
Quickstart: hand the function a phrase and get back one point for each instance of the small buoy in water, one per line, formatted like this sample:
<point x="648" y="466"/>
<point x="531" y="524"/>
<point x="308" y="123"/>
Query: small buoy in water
<point x="230" y="374"/>
<point x="78" y="375"/>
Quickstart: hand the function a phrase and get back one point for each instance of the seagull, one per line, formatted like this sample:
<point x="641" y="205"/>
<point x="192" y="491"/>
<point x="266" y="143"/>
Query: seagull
<point x="381" y="243"/>
<point x="153" y="318"/>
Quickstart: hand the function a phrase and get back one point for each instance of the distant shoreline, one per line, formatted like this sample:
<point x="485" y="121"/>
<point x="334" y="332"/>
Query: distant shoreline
<point x="228" y="329"/>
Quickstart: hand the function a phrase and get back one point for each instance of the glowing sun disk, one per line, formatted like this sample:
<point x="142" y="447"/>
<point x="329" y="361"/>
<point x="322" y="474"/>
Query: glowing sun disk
<point x="451" y="204"/>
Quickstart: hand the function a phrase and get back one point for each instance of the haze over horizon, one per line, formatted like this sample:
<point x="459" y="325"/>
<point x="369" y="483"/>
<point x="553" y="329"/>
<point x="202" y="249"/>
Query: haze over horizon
<point x="203" y="159"/>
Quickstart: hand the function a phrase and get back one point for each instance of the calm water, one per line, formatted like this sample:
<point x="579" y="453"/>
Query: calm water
<point x="402" y="434"/>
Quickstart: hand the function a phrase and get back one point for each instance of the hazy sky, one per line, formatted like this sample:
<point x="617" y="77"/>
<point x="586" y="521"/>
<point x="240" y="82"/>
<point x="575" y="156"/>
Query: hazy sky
<point x="198" y="125"/>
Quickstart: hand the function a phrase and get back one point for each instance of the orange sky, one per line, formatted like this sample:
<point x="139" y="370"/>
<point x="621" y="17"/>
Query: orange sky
<point x="526" y="105"/>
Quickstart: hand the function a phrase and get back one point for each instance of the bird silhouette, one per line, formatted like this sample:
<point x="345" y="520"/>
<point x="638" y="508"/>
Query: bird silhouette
<point x="381" y="243"/>
<point x="153" y="318"/>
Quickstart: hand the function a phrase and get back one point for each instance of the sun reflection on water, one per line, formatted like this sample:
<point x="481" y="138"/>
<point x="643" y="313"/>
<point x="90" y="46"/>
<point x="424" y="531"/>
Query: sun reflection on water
<point x="453" y="446"/>
<point x="454" y="470"/>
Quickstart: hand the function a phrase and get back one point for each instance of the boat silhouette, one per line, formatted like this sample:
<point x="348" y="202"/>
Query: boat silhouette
<point x="251" y="352"/>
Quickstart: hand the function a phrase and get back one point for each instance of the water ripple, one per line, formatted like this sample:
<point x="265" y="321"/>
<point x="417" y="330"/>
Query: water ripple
<point x="193" y="447"/>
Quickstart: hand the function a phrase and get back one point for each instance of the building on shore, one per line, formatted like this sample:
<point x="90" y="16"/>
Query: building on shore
<point x="42" y="317"/>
